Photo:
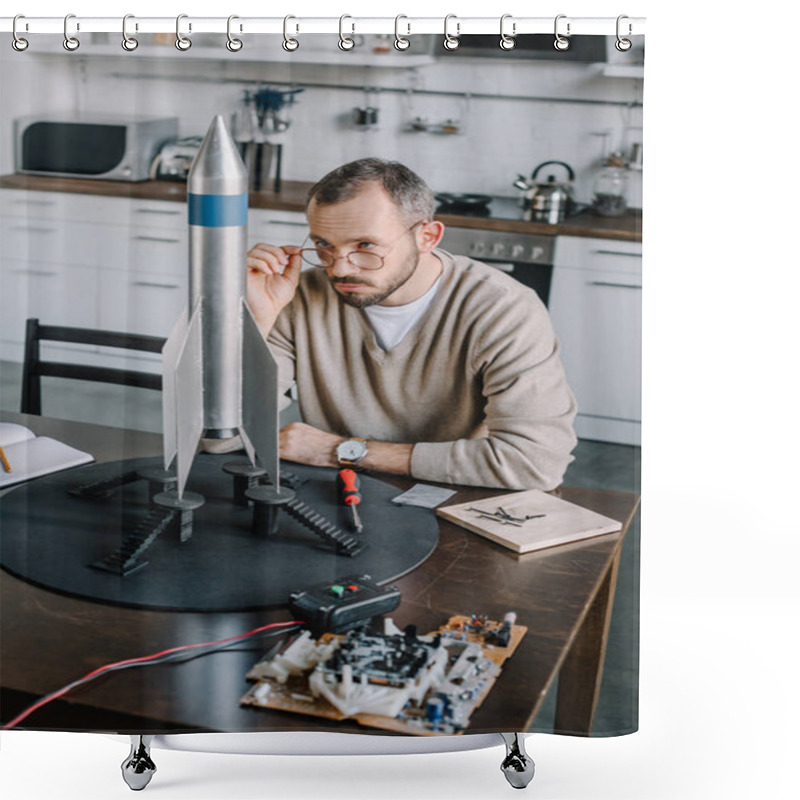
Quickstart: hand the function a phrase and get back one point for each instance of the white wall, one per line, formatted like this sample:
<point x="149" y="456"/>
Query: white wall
<point x="500" y="138"/>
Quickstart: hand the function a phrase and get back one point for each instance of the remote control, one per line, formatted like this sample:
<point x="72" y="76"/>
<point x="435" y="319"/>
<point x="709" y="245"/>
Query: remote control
<point x="342" y="605"/>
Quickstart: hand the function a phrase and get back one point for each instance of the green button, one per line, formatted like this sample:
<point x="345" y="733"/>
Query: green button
<point x="337" y="590"/>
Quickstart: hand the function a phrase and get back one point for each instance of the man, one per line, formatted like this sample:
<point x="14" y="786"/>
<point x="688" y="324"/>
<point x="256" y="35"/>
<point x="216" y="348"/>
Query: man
<point x="408" y="359"/>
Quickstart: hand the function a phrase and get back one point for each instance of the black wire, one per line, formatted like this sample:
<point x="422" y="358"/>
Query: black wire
<point x="183" y="657"/>
<point x="179" y="657"/>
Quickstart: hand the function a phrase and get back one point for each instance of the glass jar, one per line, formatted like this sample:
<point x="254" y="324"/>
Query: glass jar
<point x="611" y="188"/>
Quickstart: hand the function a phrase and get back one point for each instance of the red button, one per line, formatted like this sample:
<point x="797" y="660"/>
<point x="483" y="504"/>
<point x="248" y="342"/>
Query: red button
<point x="353" y="587"/>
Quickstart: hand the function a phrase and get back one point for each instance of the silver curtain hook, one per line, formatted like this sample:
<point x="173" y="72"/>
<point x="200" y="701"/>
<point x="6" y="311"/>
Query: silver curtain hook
<point x="181" y="41"/>
<point x="623" y="44"/>
<point x="451" y="42"/>
<point x="128" y="42"/>
<point x="561" y="42"/>
<point x="346" y="42"/>
<point x="507" y="42"/>
<point x="233" y="44"/>
<point x="400" y="42"/>
<point x="290" y="44"/>
<point x="18" y="43"/>
<point x="70" y="42"/>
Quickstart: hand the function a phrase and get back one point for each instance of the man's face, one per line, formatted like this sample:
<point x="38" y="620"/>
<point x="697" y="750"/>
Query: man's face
<point x="367" y="222"/>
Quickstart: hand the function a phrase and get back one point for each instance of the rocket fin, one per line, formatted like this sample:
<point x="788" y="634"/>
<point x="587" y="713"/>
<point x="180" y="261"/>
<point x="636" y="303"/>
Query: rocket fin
<point x="189" y="398"/>
<point x="169" y="360"/>
<point x="260" y="396"/>
<point x="248" y="446"/>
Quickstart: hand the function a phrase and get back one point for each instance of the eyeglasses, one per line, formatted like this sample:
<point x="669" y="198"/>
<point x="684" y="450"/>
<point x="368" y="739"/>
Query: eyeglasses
<point x="324" y="259"/>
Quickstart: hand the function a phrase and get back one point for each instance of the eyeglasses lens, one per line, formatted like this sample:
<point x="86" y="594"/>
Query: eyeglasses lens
<point x="325" y="259"/>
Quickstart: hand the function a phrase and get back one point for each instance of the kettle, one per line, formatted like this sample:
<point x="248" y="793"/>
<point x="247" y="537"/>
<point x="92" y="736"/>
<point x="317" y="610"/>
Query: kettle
<point x="547" y="202"/>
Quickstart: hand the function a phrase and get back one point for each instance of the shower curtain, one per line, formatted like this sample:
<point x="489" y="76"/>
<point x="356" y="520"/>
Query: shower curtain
<point x="177" y="639"/>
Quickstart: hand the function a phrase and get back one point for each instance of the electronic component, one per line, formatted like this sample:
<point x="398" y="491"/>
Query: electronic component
<point x="395" y="680"/>
<point x="339" y="606"/>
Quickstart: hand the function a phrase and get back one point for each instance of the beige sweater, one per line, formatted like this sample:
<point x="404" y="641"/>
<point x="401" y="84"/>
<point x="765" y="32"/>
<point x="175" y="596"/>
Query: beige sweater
<point x="484" y="352"/>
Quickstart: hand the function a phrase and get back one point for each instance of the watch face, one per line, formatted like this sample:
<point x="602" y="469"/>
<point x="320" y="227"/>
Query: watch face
<point x="351" y="450"/>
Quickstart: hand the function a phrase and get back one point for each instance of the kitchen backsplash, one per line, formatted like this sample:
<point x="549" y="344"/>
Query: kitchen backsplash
<point x="497" y="139"/>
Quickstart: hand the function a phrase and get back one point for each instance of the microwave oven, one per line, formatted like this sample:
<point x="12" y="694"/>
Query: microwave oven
<point x="108" y="147"/>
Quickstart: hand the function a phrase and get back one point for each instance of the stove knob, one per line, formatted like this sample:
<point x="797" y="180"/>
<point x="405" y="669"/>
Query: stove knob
<point x="517" y="251"/>
<point x="498" y="249"/>
<point x="478" y="248"/>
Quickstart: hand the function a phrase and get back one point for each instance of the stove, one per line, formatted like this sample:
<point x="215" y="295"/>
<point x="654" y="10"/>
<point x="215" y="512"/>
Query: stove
<point x="485" y="206"/>
<point x="527" y="257"/>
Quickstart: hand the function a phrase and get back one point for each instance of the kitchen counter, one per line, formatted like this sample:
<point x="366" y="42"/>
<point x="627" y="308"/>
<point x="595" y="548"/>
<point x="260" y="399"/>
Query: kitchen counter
<point x="292" y="198"/>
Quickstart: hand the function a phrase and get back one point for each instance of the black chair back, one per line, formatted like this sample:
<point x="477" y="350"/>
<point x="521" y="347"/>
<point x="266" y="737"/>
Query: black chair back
<point x="34" y="368"/>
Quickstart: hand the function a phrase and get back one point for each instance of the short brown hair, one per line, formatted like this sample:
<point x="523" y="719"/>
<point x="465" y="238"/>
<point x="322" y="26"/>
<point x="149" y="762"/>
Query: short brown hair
<point x="408" y="191"/>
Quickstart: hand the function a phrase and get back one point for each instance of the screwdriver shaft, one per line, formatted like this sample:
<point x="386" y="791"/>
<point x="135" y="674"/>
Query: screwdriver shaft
<point x="356" y="518"/>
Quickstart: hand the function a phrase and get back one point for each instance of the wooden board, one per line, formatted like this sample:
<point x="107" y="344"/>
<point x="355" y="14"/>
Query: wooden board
<point x="561" y="522"/>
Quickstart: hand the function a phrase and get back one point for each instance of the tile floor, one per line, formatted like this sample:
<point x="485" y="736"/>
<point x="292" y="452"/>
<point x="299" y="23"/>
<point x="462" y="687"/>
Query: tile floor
<point x="597" y="465"/>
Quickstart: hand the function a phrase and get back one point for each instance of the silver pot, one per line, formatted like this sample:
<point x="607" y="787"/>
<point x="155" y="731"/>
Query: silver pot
<point x="548" y="201"/>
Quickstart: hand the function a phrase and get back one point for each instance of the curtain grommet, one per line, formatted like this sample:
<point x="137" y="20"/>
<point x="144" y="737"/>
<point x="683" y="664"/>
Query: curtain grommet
<point x="507" y="42"/>
<point x="561" y="43"/>
<point x="233" y="44"/>
<point x="71" y="43"/>
<point x="451" y="42"/>
<point x="346" y="43"/>
<point x="401" y="43"/>
<point x="623" y="45"/>
<point x="129" y="43"/>
<point x="17" y="42"/>
<point x="182" y="42"/>
<point x="289" y="44"/>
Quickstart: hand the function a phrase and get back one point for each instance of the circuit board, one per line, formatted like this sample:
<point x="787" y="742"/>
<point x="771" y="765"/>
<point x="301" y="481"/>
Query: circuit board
<point x="419" y="685"/>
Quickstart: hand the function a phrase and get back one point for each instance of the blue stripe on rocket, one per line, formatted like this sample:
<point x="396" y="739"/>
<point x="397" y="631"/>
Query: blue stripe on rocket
<point x="218" y="210"/>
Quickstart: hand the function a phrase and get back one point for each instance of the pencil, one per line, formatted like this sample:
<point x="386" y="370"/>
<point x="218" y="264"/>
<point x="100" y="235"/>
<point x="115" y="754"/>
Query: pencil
<point x="6" y="465"/>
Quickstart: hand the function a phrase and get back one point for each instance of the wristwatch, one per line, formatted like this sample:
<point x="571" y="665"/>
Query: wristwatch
<point x="351" y="451"/>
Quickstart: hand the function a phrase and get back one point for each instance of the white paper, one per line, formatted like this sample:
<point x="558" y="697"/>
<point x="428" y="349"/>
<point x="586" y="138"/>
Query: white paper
<point x="424" y="496"/>
<point x="33" y="457"/>
<point x="11" y="433"/>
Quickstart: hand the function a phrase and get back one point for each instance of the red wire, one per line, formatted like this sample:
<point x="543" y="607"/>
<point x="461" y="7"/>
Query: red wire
<point x="94" y="673"/>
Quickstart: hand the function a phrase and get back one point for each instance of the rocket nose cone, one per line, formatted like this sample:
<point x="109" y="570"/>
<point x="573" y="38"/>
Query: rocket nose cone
<point x="217" y="130"/>
<point x="218" y="167"/>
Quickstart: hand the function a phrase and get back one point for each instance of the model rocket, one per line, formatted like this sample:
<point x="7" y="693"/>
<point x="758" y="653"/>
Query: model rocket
<point x="220" y="378"/>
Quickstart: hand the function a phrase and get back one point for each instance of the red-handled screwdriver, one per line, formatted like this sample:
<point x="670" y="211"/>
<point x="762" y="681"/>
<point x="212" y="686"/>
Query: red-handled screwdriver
<point x="348" y="486"/>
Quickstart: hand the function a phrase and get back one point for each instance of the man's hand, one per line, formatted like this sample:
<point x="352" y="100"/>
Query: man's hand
<point x="272" y="277"/>
<point x="306" y="444"/>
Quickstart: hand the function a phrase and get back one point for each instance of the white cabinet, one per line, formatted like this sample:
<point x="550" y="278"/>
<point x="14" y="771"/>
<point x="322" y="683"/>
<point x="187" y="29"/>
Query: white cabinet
<point x="276" y="227"/>
<point x="596" y="308"/>
<point x="55" y="293"/>
<point x="113" y="263"/>
<point x="159" y="214"/>
<point x="159" y="250"/>
<point x="91" y="261"/>
<point x="58" y="241"/>
<point x="142" y="302"/>
<point x="52" y="247"/>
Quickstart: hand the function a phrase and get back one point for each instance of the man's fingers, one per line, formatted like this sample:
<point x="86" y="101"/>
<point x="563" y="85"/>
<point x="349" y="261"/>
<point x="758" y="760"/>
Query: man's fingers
<point x="263" y="247"/>
<point x="293" y="269"/>
<point x="267" y="258"/>
<point x="273" y="260"/>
